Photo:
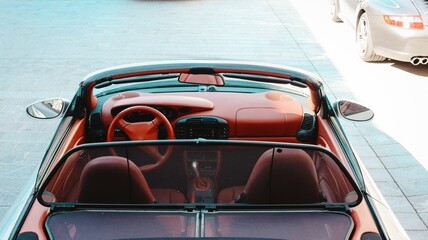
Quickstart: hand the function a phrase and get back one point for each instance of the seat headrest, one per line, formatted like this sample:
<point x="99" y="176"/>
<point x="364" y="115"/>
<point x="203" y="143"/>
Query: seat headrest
<point x="283" y="176"/>
<point x="112" y="179"/>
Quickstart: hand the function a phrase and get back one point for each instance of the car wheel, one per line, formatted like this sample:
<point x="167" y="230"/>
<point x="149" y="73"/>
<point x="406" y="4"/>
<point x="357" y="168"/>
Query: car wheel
<point x="334" y="11"/>
<point x="364" y="41"/>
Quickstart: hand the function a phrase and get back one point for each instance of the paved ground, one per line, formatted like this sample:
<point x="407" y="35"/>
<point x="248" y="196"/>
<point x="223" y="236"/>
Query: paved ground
<point x="47" y="46"/>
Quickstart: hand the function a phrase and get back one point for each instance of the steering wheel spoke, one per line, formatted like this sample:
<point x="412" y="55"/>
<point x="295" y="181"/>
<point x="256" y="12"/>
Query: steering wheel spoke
<point x="141" y="131"/>
<point x="157" y="121"/>
<point x="122" y="124"/>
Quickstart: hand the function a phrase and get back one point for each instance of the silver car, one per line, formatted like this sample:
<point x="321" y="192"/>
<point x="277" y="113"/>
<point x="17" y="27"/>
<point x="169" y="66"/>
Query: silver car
<point x="393" y="29"/>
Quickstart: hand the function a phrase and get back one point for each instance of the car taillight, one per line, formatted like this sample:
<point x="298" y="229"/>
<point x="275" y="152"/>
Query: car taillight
<point x="407" y="22"/>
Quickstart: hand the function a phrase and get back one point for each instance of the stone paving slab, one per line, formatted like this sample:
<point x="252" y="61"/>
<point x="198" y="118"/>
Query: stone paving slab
<point x="47" y="46"/>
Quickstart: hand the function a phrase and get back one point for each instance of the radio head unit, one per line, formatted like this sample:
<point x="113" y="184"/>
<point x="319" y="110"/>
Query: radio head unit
<point x="202" y="127"/>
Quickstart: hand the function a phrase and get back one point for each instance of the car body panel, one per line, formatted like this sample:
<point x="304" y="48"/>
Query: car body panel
<point x="374" y="195"/>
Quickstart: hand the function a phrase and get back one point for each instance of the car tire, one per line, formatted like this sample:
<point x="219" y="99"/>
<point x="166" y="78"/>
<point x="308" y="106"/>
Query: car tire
<point x="365" y="42"/>
<point x="334" y="11"/>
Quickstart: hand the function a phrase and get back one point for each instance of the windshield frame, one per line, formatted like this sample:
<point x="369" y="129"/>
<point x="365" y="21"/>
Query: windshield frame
<point x="273" y="72"/>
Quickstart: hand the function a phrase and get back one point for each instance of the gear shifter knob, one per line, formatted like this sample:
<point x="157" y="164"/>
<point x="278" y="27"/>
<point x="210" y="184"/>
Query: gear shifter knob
<point x="195" y="166"/>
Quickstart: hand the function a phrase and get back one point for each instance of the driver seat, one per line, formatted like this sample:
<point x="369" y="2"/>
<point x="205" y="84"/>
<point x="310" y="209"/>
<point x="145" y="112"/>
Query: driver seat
<point x="115" y="180"/>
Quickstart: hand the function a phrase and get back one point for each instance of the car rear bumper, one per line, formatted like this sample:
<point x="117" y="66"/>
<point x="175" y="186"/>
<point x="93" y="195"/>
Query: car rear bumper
<point x="398" y="43"/>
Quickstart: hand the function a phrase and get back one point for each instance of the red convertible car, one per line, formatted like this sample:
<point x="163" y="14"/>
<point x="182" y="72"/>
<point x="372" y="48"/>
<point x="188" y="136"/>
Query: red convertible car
<point x="201" y="149"/>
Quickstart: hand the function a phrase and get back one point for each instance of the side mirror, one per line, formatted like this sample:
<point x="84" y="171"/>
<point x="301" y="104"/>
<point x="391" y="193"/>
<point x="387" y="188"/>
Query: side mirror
<point x="48" y="109"/>
<point x="353" y="111"/>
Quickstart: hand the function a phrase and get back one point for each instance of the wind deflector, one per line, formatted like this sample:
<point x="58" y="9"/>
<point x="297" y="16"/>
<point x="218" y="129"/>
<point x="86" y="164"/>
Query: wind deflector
<point x="222" y="165"/>
<point x="138" y="225"/>
<point x="120" y="225"/>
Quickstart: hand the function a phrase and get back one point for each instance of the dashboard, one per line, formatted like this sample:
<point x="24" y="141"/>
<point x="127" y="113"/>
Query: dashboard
<point x="213" y="115"/>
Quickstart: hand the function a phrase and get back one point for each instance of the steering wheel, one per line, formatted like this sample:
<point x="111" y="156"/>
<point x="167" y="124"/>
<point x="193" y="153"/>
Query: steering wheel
<point x="144" y="131"/>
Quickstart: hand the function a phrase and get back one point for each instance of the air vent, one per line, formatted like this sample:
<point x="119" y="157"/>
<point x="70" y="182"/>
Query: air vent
<point x="205" y="120"/>
<point x="308" y="122"/>
<point x="194" y="121"/>
<point x="95" y="121"/>
<point x="308" y="129"/>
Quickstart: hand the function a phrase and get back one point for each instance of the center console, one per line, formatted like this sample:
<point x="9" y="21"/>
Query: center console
<point x="202" y="168"/>
<point x="202" y="165"/>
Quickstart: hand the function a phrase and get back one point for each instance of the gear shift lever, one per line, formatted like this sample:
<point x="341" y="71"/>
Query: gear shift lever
<point x="200" y="183"/>
<point x="195" y="166"/>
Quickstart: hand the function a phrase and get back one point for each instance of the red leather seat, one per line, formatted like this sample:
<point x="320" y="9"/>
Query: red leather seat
<point x="333" y="183"/>
<point x="112" y="179"/>
<point x="280" y="176"/>
<point x="167" y="195"/>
